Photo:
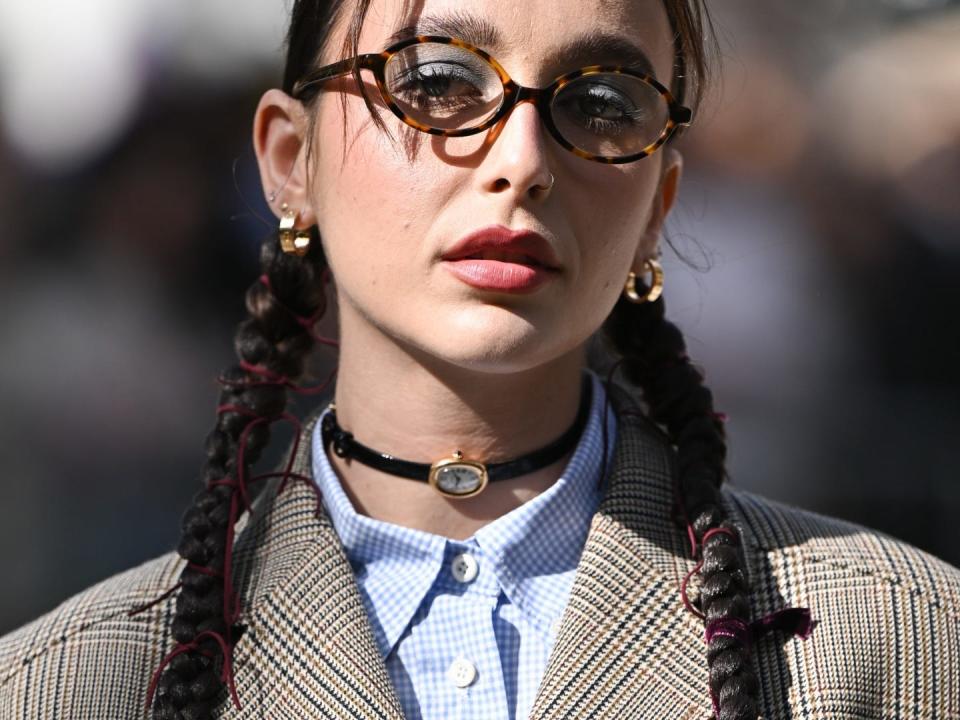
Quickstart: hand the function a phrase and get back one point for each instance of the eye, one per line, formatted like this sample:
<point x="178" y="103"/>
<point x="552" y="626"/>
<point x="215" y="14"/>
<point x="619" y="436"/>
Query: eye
<point x="606" y="105"/>
<point x="443" y="86"/>
<point x="438" y="85"/>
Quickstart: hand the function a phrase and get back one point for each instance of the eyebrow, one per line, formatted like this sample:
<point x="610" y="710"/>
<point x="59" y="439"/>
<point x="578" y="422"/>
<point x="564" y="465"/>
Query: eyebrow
<point x="589" y="47"/>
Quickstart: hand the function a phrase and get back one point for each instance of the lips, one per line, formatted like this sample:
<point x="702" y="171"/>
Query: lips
<point x="498" y="259"/>
<point x="496" y="242"/>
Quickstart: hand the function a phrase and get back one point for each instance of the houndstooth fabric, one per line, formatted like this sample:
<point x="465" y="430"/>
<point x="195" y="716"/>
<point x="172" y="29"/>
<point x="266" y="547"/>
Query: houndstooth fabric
<point x="887" y="646"/>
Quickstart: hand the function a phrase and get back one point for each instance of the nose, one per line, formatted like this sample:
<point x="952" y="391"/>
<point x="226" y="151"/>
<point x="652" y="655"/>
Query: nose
<point x="517" y="159"/>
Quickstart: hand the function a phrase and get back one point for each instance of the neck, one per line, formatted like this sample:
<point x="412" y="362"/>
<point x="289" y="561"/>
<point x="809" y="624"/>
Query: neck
<point x="398" y="402"/>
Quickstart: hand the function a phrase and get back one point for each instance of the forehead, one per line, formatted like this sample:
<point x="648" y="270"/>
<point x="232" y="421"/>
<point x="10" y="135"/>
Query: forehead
<point x="524" y="34"/>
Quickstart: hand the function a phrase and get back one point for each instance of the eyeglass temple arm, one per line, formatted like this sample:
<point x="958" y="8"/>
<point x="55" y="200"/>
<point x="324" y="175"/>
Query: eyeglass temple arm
<point x="335" y="70"/>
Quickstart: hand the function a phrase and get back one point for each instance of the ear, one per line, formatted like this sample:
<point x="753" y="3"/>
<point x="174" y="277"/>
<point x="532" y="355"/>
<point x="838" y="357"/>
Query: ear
<point x="663" y="201"/>
<point x="279" y="134"/>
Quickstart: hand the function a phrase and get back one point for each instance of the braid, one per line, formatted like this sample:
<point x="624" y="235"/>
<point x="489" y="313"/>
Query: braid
<point x="273" y="340"/>
<point x="655" y="359"/>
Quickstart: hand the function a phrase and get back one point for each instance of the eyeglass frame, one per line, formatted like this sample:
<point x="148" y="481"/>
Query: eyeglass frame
<point x="513" y="94"/>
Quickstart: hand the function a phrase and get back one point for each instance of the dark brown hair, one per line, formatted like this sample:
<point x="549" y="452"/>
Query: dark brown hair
<point x="274" y="342"/>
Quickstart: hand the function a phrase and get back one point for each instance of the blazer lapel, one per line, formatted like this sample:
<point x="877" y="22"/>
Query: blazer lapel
<point x="626" y="646"/>
<point x="308" y="650"/>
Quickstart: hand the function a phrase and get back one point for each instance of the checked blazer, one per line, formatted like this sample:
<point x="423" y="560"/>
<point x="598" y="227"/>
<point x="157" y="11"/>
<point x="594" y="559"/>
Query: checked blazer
<point x="886" y="646"/>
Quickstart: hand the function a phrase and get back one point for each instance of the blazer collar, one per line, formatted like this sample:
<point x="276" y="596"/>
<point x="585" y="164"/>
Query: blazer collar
<point x="309" y="651"/>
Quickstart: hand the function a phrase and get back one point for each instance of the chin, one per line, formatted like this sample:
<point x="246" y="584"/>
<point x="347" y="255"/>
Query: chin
<point x="490" y="340"/>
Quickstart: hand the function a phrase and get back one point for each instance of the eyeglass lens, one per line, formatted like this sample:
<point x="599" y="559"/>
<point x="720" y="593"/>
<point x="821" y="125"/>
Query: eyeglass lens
<point x="451" y="88"/>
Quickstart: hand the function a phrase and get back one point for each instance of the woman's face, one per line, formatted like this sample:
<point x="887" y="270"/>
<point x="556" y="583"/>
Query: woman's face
<point x="388" y="210"/>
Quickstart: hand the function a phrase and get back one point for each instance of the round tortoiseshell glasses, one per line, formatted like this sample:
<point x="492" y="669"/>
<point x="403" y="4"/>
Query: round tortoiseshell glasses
<point x="445" y="86"/>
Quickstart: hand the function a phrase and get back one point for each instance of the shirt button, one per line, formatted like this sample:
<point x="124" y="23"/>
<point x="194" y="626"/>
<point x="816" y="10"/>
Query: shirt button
<point x="464" y="567"/>
<point x="462" y="672"/>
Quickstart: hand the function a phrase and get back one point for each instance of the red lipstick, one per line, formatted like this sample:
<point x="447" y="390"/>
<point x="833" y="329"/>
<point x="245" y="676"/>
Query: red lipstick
<point x="504" y="260"/>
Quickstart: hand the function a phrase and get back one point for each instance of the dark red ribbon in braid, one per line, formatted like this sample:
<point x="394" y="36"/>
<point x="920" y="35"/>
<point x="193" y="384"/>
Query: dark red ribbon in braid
<point x="239" y="485"/>
<point x="226" y="673"/>
<point x="306" y="322"/>
<point x="231" y="601"/>
<point x="273" y="378"/>
<point x="692" y="537"/>
<point x="791" y="621"/>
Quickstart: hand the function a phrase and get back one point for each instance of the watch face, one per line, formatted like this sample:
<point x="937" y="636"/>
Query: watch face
<point x="457" y="479"/>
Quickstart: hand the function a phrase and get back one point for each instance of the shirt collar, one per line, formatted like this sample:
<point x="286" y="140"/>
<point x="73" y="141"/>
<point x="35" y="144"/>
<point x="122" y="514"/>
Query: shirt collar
<point x="533" y="550"/>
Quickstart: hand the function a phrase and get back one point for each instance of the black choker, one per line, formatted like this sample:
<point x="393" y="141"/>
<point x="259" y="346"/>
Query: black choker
<point x="456" y="476"/>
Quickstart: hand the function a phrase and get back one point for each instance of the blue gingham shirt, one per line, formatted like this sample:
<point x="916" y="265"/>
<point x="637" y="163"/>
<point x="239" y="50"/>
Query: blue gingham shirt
<point x="466" y="627"/>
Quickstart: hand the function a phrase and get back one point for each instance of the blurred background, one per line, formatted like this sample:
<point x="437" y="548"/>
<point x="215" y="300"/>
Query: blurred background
<point x="815" y="269"/>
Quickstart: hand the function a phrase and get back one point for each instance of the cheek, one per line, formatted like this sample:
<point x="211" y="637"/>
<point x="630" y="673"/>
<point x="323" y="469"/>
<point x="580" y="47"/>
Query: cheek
<point x="609" y="228"/>
<point x="375" y="209"/>
<point x="374" y="206"/>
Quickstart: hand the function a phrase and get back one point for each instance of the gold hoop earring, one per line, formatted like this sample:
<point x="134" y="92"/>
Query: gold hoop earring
<point x="292" y="241"/>
<point x="656" y="283"/>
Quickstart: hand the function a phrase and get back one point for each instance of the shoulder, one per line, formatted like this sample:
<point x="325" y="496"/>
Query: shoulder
<point x="887" y="614"/>
<point x="83" y="650"/>
<point x="826" y="545"/>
